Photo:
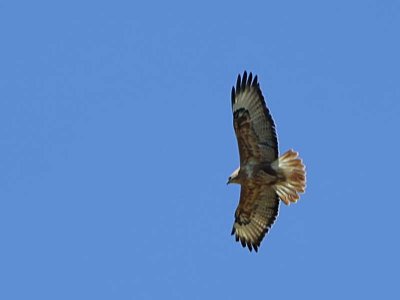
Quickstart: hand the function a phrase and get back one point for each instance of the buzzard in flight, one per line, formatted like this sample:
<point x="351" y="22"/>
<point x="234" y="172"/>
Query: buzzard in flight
<point x="264" y="177"/>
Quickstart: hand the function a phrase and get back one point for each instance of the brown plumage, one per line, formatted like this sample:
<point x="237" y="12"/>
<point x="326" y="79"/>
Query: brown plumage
<point x="264" y="178"/>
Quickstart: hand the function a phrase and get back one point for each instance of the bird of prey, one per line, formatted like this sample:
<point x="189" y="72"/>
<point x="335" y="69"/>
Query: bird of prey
<point x="265" y="178"/>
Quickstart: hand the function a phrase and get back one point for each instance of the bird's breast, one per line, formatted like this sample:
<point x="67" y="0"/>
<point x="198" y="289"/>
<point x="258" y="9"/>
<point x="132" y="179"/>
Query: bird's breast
<point x="247" y="171"/>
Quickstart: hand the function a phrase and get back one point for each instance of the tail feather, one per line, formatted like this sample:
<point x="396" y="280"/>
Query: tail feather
<point x="292" y="170"/>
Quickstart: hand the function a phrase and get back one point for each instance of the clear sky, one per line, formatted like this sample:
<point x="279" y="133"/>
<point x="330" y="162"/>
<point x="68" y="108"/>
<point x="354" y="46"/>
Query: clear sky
<point x="116" y="142"/>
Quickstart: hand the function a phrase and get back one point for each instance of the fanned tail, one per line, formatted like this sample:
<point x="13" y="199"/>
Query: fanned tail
<point x="290" y="167"/>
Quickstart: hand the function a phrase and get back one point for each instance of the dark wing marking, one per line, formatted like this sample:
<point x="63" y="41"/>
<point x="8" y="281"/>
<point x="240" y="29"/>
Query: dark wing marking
<point x="257" y="211"/>
<point x="253" y="123"/>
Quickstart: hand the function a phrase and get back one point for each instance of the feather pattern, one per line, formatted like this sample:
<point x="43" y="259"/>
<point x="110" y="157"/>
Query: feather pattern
<point x="253" y="123"/>
<point x="264" y="178"/>
<point x="255" y="215"/>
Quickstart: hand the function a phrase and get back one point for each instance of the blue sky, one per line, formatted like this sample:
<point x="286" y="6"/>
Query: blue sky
<point x="116" y="142"/>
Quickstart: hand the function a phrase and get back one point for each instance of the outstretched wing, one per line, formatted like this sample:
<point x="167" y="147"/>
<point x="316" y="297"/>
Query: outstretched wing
<point x="255" y="214"/>
<point x="254" y="126"/>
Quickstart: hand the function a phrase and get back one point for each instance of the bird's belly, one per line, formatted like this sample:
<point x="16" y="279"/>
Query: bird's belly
<point x="263" y="178"/>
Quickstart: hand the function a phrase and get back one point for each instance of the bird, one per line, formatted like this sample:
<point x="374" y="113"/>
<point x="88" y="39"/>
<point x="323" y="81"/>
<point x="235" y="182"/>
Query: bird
<point x="265" y="177"/>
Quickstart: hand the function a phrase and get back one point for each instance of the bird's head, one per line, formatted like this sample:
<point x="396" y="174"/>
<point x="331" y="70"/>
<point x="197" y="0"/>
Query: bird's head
<point x="234" y="178"/>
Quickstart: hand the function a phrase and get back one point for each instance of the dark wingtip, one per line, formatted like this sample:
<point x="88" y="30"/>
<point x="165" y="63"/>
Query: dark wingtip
<point x="233" y="95"/>
<point x="238" y="83"/>
<point x="250" y="79"/>
<point x="255" y="83"/>
<point x="249" y="246"/>
<point x="244" y="80"/>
